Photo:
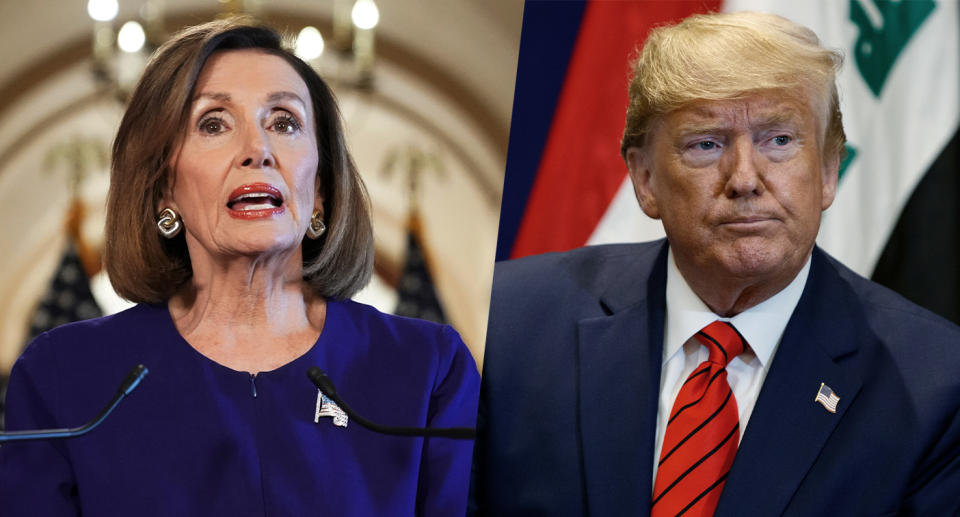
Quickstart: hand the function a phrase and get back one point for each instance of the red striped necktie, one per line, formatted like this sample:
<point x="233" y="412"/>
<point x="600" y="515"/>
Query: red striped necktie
<point x="702" y="433"/>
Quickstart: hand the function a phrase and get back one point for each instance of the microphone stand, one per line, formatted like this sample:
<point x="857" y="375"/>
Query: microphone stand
<point x="325" y="385"/>
<point x="129" y="383"/>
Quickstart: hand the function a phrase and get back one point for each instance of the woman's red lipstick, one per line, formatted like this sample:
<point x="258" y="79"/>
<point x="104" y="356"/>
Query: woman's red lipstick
<point x="254" y="201"/>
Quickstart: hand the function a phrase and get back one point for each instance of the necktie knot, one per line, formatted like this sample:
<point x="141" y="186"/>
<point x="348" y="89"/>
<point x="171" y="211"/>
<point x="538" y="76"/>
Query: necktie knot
<point x="723" y="341"/>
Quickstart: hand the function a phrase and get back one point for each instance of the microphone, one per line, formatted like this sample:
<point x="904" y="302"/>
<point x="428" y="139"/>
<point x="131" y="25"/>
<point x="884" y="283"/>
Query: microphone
<point x="129" y="383"/>
<point x="325" y="385"/>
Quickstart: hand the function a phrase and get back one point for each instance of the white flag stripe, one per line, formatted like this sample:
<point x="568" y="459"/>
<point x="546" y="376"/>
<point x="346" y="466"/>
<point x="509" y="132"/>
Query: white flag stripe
<point x="624" y="221"/>
<point x="828" y="402"/>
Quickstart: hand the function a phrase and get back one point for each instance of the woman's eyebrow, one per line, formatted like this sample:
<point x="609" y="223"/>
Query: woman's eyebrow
<point x="217" y="96"/>
<point x="284" y="95"/>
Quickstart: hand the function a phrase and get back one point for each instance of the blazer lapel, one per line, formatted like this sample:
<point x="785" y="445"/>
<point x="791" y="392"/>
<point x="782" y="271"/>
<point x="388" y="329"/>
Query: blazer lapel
<point x="787" y="428"/>
<point x="619" y="357"/>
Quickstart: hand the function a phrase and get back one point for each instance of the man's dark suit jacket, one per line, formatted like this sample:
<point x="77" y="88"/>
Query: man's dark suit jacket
<point x="571" y="381"/>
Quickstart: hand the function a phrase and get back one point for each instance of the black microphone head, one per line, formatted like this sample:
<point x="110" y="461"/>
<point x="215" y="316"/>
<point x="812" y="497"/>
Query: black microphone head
<point x="133" y="378"/>
<point x="321" y="381"/>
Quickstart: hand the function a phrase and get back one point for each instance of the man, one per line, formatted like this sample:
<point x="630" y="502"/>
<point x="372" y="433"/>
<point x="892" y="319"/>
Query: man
<point x="734" y="368"/>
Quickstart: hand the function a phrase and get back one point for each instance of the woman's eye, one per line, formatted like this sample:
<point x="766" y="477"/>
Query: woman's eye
<point x="286" y="125"/>
<point x="211" y="126"/>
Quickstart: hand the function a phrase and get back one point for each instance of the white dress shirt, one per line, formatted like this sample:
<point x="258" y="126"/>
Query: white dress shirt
<point x="762" y="326"/>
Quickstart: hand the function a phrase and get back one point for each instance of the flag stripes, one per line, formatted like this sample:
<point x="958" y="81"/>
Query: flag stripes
<point x="549" y="33"/>
<point x="921" y="255"/>
<point x="574" y="184"/>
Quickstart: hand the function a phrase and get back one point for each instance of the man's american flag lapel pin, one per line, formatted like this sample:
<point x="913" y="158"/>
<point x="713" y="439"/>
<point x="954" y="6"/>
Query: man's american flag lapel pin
<point x="827" y="398"/>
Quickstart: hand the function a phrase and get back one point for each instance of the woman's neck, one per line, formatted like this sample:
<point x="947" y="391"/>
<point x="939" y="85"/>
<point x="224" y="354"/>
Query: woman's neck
<point x="248" y="314"/>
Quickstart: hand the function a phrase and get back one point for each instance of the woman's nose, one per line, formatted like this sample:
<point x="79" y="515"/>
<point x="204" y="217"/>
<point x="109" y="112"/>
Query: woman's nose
<point x="256" y="152"/>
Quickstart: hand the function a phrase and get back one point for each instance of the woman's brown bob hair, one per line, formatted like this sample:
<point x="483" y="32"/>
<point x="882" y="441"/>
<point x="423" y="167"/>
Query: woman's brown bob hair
<point x="143" y="266"/>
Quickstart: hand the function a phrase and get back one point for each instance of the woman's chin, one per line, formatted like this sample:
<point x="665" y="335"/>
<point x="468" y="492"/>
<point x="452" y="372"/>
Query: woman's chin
<point x="261" y="244"/>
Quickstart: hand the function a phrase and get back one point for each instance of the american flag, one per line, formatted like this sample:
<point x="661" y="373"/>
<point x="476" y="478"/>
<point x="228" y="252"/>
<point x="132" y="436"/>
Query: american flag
<point x="417" y="295"/>
<point x="68" y="298"/>
<point x="827" y="398"/>
<point x="326" y="407"/>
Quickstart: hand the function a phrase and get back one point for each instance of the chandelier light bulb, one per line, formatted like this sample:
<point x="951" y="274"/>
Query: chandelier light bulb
<point x="365" y="14"/>
<point x="103" y="10"/>
<point x="131" y="37"/>
<point x="309" y="43"/>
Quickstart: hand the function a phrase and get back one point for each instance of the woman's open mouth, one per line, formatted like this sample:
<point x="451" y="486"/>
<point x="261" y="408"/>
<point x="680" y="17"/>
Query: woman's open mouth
<point x="255" y="200"/>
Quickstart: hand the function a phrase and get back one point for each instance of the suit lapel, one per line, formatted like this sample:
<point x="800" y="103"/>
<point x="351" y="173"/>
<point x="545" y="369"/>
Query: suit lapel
<point x="788" y="429"/>
<point x="619" y="358"/>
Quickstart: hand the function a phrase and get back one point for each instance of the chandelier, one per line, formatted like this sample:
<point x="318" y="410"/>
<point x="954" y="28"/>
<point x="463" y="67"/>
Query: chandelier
<point x="120" y="54"/>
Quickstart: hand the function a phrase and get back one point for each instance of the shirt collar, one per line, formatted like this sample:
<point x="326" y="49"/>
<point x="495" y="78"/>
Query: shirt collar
<point x="761" y="325"/>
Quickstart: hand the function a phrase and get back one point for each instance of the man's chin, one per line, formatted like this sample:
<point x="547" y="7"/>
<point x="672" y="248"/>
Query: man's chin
<point x="760" y="263"/>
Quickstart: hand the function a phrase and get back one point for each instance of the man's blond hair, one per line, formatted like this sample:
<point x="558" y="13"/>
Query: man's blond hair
<point x="731" y="56"/>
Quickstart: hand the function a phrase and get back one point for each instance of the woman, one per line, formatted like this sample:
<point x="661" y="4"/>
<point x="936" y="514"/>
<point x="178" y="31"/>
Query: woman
<point x="237" y="220"/>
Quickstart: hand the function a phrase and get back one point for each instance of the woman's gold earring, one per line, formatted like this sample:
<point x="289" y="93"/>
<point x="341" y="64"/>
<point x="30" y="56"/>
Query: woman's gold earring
<point x="316" y="228"/>
<point x="168" y="222"/>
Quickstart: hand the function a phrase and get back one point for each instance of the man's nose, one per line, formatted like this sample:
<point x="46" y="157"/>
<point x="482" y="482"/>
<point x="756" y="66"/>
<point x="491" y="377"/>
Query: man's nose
<point x="743" y="169"/>
<point x="256" y="152"/>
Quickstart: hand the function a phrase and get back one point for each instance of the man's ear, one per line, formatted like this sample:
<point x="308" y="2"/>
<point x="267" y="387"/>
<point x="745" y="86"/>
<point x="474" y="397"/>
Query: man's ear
<point x="830" y="176"/>
<point x="639" y="163"/>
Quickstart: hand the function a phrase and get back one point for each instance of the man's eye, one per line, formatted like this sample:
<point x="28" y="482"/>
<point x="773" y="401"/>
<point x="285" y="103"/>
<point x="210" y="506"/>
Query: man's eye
<point x="706" y="145"/>
<point x="781" y="140"/>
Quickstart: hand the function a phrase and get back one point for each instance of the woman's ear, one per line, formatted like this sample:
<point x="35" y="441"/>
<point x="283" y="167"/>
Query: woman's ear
<point x="318" y="204"/>
<point x="167" y="179"/>
<point x="318" y="197"/>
